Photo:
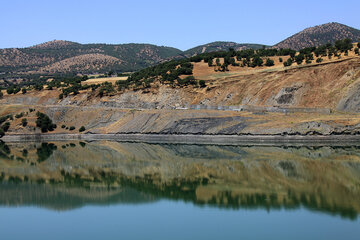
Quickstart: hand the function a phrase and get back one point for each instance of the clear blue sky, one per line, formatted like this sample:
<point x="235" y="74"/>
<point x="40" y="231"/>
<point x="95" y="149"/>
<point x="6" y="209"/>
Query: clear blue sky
<point x="181" y="24"/>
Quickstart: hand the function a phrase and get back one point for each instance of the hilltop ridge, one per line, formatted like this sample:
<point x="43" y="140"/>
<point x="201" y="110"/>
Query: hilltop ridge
<point x="319" y="35"/>
<point x="48" y="58"/>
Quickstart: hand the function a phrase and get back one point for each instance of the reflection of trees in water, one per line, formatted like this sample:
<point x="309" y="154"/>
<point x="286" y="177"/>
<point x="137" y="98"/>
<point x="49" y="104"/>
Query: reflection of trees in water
<point x="4" y="150"/>
<point x="75" y="192"/>
<point x="45" y="151"/>
<point x="204" y="151"/>
<point x="65" y="197"/>
<point x="185" y="188"/>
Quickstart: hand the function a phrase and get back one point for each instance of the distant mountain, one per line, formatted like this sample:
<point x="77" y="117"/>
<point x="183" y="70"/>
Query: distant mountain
<point x="70" y="57"/>
<point x="64" y="56"/>
<point x="319" y="35"/>
<point x="220" y="46"/>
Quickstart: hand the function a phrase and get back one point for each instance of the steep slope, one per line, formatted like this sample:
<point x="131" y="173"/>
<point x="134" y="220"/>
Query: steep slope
<point x="220" y="46"/>
<point x="131" y="56"/>
<point x="319" y="35"/>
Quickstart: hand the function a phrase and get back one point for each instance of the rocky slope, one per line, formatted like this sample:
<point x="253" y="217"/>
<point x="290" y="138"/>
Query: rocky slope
<point x="220" y="46"/>
<point x="319" y="35"/>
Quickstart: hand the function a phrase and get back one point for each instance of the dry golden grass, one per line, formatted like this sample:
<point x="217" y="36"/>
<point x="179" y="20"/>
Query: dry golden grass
<point x="101" y="80"/>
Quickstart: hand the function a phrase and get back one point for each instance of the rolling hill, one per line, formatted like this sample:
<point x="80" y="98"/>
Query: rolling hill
<point x="40" y="58"/>
<point x="220" y="46"/>
<point x="64" y="57"/>
<point x="319" y="35"/>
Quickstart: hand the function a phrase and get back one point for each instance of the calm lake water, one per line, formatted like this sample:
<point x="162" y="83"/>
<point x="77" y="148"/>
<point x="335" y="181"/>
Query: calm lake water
<point x="122" y="190"/>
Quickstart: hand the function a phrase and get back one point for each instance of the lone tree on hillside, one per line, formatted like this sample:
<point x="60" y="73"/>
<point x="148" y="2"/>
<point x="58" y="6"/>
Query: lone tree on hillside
<point x="81" y="129"/>
<point x="257" y="61"/>
<point x="269" y="62"/>
<point x="24" y="122"/>
<point x="202" y="83"/>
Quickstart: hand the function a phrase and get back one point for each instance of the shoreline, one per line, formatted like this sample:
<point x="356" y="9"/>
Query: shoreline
<point x="188" y="138"/>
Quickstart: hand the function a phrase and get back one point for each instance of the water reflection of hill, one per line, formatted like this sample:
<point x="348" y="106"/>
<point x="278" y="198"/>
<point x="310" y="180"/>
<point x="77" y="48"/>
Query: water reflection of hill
<point x="321" y="178"/>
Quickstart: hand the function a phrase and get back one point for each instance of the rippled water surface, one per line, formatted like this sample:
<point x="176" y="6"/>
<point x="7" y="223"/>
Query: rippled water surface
<point x="120" y="190"/>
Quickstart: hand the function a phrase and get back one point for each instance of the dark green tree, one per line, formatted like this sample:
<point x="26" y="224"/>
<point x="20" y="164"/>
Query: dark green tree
<point x="44" y="122"/>
<point x="269" y="62"/>
<point x="299" y="58"/>
<point x="319" y="60"/>
<point x="217" y="62"/>
<point x="356" y="50"/>
<point x="202" y="83"/>
<point x="24" y="122"/>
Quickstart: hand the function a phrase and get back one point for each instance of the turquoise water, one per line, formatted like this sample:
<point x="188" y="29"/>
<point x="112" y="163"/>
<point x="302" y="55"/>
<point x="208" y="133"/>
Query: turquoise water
<point x="172" y="220"/>
<point x="155" y="191"/>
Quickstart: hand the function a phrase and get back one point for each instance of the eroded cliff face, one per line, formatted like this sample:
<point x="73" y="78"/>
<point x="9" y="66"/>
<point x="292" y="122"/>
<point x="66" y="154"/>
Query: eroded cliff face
<point x="99" y="120"/>
<point x="332" y="85"/>
<point x="324" y="178"/>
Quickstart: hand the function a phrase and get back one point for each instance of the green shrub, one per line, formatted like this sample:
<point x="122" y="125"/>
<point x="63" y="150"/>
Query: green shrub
<point x="202" y="83"/>
<point x="187" y="81"/>
<point x="72" y="128"/>
<point x="319" y="60"/>
<point x="299" y="58"/>
<point x="24" y="122"/>
<point x="288" y="63"/>
<point x="63" y="126"/>
<point x="81" y="129"/>
<point x="19" y="115"/>
<point x="5" y="127"/>
<point x="356" y="50"/>
<point x="269" y="62"/>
